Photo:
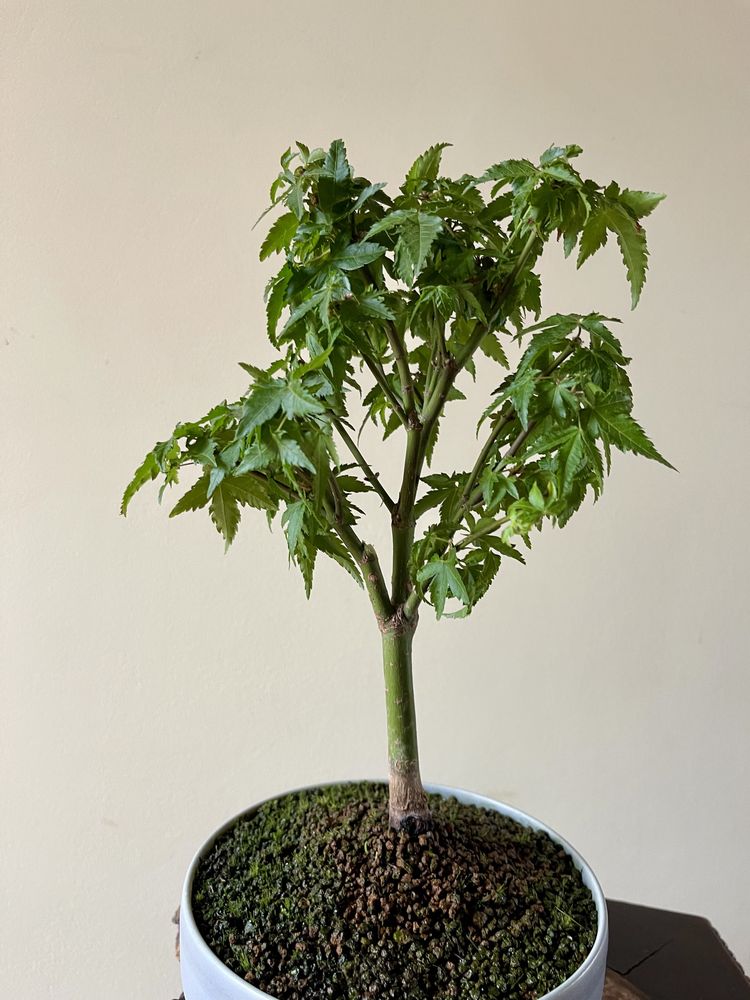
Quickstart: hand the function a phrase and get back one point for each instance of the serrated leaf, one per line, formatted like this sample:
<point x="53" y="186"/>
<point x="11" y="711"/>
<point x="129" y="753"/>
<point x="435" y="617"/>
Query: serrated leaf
<point x="553" y="153"/>
<point x="367" y="193"/>
<point x="275" y="292"/>
<point x="625" y="433"/>
<point x="510" y="170"/>
<point x="292" y="521"/>
<point x="305" y="307"/>
<point x="574" y="456"/>
<point x="215" y="478"/>
<point x="279" y="235"/>
<point x="292" y="455"/>
<point x="492" y="347"/>
<point x="389" y="221"/>
<point x="562" y="172"/>
<point x="296" y="401"/>
<point x="594" y="324"/>
<point x="443" y="579"/>
<point x="373" y="305"/>
<point x="593" y="236"/>
<point x="418" y="233"/>
<point x="225" y="514"/>
<point x="640" y="203"/>
<point x="334" y="549"/>
<point x="336" y="164"/>
<point x="357" y="255"/>
<point x="257" y="456"/>
<point x="426" y="166"/>
<point x="146" y="471"/>
<point x="262" y="405"/>
<point x="295" y="200"/>
<point x="195" y="498"/>
<point x="519" y="391"/>
<point x="632" y="242"/>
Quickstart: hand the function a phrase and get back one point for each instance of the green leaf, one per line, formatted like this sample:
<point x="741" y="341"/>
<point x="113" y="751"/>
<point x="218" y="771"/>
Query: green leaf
<point x="621" y="430"/>
<point x="291" y="454"/>
<point x="262" y="405"/>
<point x="336" y="164"/>
<point x="367" y="193"/>
<point x="444" y="580"/>
<point x="389" y="221"/>
<point x="519" y="391"/>
<point x="295" y="200"/>
<point x="574" y="456"/>
<point x="250" y="491"/>
<point x="257" y="456"/>
<point x="279" y="235"/>
<point x="296" y="401"/>
<point x="594" y="324"/>
<point x="305" y="307"/>
<point x="333" y="547"/>
<point x="510" y="170"/>
<point x="425" y="168"/>
<point x="640" y="203"/>
<point x="275" y="292"/>
<point x="536" y="498"/>
<point x="146" y="471"/>
<point x="492" y="347"/>
<point x="195" y="498"/>
<point x="225" y="514"/>
<point x="593" y="236"/>
<point x="553" y="153"/>
<point x="418" y="233"/>
<point x="357" y="255"/>
<point x="215" y="478"/>
<point x="373" y="305"/>
<point x="632" y="242"/>
<point x="562" y="172"/>
<point x="292" y="520"/>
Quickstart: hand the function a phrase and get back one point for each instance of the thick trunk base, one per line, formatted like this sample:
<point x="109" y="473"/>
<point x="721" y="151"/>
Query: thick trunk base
<point x="407" y="807"/>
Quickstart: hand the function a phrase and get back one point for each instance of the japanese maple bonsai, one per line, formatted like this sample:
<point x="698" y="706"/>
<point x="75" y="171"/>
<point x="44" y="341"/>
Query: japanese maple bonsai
<point x="382" y="310"/>
<point x="392" y="303"/>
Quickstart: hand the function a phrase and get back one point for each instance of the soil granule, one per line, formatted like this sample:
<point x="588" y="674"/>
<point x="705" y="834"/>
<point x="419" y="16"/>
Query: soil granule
<point x="313" y="897"/>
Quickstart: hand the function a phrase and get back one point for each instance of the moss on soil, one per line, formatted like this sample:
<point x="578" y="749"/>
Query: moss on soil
<point x="314" y="898"/>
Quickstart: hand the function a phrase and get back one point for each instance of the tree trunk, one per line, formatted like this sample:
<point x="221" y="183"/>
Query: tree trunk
<point x="407" y="807"/>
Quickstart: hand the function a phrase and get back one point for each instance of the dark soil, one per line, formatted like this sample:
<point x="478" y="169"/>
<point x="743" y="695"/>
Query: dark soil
<point x="314" y="898"/>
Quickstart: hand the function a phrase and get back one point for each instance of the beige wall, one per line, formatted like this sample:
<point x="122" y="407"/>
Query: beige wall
<point x="151" y="686"/>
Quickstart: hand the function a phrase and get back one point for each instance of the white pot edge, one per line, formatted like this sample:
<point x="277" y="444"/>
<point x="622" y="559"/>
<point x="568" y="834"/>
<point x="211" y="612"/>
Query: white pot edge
<point x="205" y="977"/>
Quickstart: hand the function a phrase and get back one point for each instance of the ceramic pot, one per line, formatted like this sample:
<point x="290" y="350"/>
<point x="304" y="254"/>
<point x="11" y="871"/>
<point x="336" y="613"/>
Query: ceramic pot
<point x="205" y="977"/>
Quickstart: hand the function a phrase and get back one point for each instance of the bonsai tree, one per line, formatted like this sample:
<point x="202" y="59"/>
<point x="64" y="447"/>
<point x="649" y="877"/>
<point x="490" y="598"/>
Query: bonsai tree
<point x="388" y="305"/>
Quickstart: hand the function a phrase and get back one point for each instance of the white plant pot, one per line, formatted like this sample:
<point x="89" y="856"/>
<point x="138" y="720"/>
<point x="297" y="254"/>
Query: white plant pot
<point x="205" y="977"/>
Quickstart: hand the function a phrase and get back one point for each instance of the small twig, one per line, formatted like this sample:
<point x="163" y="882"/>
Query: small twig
<point x="370" y="475"/>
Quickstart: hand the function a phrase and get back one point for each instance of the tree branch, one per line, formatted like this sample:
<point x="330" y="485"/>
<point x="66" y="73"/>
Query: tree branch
<point x="370" y="475"/>
<point x="382" y="381"/>
<point x="366" y="559"/>
<point x="502" y="423"/>
<point x="452" y="365"/>
<point x="488" y="529"/>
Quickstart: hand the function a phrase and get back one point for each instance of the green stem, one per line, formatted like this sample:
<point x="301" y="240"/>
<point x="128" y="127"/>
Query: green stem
<point x="402" y="521"/>
<point x="365" y="466"/>
<point x="366" y="559"/>
<point x="407" y="804"/>
<point x="380" y="378"/>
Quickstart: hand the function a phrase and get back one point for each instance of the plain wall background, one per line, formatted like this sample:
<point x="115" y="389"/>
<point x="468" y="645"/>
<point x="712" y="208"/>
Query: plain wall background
<point x="150" y="686"/>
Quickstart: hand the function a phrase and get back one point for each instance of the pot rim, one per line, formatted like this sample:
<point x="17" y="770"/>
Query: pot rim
<point x="187" y="919"/>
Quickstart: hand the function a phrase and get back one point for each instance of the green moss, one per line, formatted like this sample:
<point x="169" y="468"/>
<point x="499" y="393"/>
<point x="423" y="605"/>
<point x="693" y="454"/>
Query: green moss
<point x="314" y="897"/>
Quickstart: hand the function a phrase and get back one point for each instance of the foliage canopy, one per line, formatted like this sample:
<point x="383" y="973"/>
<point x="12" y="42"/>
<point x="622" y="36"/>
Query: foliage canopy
<point x="389" y="301"/>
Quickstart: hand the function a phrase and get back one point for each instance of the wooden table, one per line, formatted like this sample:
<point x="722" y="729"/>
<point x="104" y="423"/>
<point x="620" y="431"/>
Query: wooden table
<point x="661" y="955"/>
<point x="669" y="956"/>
